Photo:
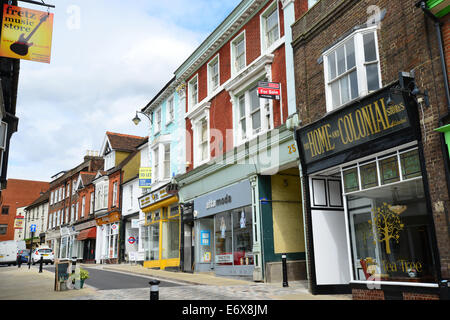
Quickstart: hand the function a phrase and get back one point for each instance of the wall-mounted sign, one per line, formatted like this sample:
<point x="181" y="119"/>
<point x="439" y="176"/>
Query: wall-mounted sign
<point x="18" y="224"/>
<point x="224" y="258"/>
<point x="153" y="197"/>
<point x="112" y="217"/>
<point x="353" y="126"/>
<point x="235" y="196"/>
<point x="26" y="34"/>
<point x="205" y="238"/>
<point x="269" y="90"/>
<point x="145" y="177"/>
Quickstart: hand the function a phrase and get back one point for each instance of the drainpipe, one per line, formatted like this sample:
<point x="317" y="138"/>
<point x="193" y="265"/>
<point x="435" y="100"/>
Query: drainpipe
<point x="437" y="24"/>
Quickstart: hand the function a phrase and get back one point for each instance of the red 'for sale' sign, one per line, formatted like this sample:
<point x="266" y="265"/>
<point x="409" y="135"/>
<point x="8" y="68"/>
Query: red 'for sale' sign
<point x="269" y="90"/>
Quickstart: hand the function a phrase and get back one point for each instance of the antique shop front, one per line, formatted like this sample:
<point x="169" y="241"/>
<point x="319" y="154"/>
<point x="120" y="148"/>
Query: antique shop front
<point x="368" y="213"/>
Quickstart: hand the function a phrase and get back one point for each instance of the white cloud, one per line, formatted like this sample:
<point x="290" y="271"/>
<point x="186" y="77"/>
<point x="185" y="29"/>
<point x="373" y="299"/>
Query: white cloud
<point x="99" y="74"/>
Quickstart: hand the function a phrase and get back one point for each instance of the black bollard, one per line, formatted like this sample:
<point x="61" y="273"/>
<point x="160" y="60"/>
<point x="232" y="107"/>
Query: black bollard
<point x="285" y="280"/>
<point x="444" y="290"/>
<point x="154" y="290"/>
<point x="74" y="264"/>
<point x="41" y="261"/>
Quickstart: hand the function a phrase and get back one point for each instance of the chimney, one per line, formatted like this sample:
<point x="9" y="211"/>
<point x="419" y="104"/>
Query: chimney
<point x="91" y="154"/>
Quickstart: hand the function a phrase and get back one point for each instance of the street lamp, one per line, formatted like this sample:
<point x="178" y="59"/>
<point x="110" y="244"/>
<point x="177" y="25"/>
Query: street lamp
<point x="137" y="120"/>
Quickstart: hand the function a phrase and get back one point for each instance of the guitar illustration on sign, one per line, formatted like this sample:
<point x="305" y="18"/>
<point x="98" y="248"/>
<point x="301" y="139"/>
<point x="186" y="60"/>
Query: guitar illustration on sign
<point x="21" y="46"/>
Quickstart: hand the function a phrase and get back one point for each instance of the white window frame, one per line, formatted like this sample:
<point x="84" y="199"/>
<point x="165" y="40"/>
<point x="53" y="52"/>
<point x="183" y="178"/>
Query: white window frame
<point x="114" y="199"/>
<point x="83" y="206"/>
<point x="233" y="43"/>
<point x="191" y="83"/>
<point x="265" y="108"/>
<point x="165" y="162"/>
<point x="156" y="164"/>
<point x="263" y="21"/>
<point x="170" y="105"/>
<point x="158" y="121"/>
<point x="197" y="141"/>
<point x="211" y="87"/>
<point x="92" y="201"/>
<point x="360" y="66"/>
<point x="74" y="183"/>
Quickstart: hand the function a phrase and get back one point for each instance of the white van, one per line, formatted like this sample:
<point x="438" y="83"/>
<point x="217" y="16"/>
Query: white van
<point x="9" y="250"/>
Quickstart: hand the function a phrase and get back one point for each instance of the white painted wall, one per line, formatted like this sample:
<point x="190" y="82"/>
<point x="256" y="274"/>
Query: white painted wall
<point x="330" y="247"/>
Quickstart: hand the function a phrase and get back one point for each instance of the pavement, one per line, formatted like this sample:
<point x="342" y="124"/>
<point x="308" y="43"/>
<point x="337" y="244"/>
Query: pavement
<point x="28" y="284"/>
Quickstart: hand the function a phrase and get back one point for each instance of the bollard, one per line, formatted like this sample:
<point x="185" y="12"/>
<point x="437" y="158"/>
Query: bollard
<point x="285" y="280"/>
<point x="19" y="261"/>
<point x="154" y="290"/>
<point x="41" y="261"/>
<point x="74" y="265"/>
<point x="444" y="290"/>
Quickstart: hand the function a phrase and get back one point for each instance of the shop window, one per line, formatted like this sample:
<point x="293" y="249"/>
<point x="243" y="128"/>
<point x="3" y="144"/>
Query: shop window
<point x="171" y="239"/>
<point x="242" y="237"/>
<point x="352" y="68"/>
<point x="151" y="242"/>
<point x="390" y="229"/>
<point x="223" y="239"/>
<point x="205" y="251"/>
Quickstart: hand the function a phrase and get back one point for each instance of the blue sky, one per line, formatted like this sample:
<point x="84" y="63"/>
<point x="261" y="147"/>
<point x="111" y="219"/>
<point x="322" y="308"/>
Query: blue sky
<point x="109" y="58"/>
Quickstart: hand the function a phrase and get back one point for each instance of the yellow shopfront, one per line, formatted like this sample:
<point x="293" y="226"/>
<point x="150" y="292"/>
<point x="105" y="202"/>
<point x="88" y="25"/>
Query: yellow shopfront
<point x="161" y="234"/>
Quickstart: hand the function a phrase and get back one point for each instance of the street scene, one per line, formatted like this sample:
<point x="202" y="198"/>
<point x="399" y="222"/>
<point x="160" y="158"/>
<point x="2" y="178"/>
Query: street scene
<point x="211" y="151"/>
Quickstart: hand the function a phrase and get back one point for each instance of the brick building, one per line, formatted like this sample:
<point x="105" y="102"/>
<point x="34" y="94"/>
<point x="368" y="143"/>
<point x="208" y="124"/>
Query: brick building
<point x="122" y="160"/>
<point x="19" y="193"/>
<point x="242" y="166"/>
<point x="370" y="93"/>
<point x="64" y="207"/>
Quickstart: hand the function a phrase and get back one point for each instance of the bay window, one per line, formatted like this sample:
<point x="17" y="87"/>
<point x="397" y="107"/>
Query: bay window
<point x="253" y="114"/>
<point x="352" y="68"/>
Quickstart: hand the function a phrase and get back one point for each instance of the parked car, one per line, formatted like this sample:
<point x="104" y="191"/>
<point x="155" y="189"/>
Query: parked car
<point x="24" y="255"/>
<point x="46" y="253"/>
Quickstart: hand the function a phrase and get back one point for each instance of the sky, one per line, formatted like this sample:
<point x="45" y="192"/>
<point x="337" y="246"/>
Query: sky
<point x="109" y="58"/>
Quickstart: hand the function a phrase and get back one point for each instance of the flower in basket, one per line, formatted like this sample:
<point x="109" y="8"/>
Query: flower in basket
<point x="84" y="274"/>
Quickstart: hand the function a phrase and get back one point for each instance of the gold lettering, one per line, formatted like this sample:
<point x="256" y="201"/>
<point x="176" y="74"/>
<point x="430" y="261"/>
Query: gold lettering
<point x="368" y="118"/>
<point x="359" y="121"/>
<point x="348" y="130"/>
<point x="312" y="144"/>
<point x="341" y="132"/>
<point x="385" y="113"/>
<point x="379" y="116"/>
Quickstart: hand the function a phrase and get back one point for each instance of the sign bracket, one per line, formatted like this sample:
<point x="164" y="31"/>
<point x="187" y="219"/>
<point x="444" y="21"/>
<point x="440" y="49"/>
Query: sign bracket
<point x="38" y="3"/>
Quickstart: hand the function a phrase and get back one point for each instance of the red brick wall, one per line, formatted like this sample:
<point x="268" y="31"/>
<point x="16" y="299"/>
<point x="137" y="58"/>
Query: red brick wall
<point x="114" y="178"/>
<point x="18" y="193"/>
<point x="419" y="296"/>
<point x="359" y="294"/>
<point x="221" y="116"/>
<point x="446" y="39"/>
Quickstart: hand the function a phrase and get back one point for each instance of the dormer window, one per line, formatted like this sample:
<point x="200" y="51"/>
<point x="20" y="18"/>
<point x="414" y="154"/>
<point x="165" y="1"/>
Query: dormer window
<point x="109" y="160"/>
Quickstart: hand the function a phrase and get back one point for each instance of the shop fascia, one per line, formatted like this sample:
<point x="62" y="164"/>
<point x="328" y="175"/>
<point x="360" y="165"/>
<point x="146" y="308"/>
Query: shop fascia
<point x="371" y="152"/>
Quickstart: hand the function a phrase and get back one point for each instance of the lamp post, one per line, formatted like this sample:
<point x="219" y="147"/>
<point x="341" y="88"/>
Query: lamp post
<point x="136" y="120"/>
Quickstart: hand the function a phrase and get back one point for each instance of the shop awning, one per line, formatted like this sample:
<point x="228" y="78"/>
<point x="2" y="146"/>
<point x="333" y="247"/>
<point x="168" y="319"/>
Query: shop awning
<point x="90" y="233"/>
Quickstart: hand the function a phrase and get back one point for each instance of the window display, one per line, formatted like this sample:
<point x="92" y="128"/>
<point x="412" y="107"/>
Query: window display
<point x="242" y="236"/>
<point x="206" y="248"/>
<point x="171" y="236"/>
<point x="390" y="229"/>
<point x="223" y="239"/>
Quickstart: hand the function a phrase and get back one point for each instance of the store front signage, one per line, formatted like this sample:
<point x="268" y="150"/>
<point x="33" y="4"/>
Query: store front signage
<point x="19" y="222"/>
<point x="219" y="202"/>
<point x="355" y="125"/>
<point x="26" y="34"/>
<point x="112" y="217"/>
<point x="224" y="258"/>
<point x="232" y="197"/>
<point x="145" y="177"/>
<point x="153" y="198"/>
<point x="269" y="90"/>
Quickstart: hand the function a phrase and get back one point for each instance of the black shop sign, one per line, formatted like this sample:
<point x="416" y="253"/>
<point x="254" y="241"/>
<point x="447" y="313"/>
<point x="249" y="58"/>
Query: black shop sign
<point x="367" y="120"/>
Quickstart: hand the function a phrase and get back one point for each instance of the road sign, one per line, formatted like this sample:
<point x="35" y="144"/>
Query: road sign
<point x="33" y="228"/>
<point x="131" y="240"/>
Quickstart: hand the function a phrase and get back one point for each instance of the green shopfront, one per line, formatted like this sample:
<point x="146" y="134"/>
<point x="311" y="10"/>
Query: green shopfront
<point x="247" y="211"/>
<point x="368" y="212"/>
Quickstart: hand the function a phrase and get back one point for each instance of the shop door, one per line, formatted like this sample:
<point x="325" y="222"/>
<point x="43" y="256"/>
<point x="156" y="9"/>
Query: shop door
<point x="188" y="248"/>
<point x="331" y="257"/>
